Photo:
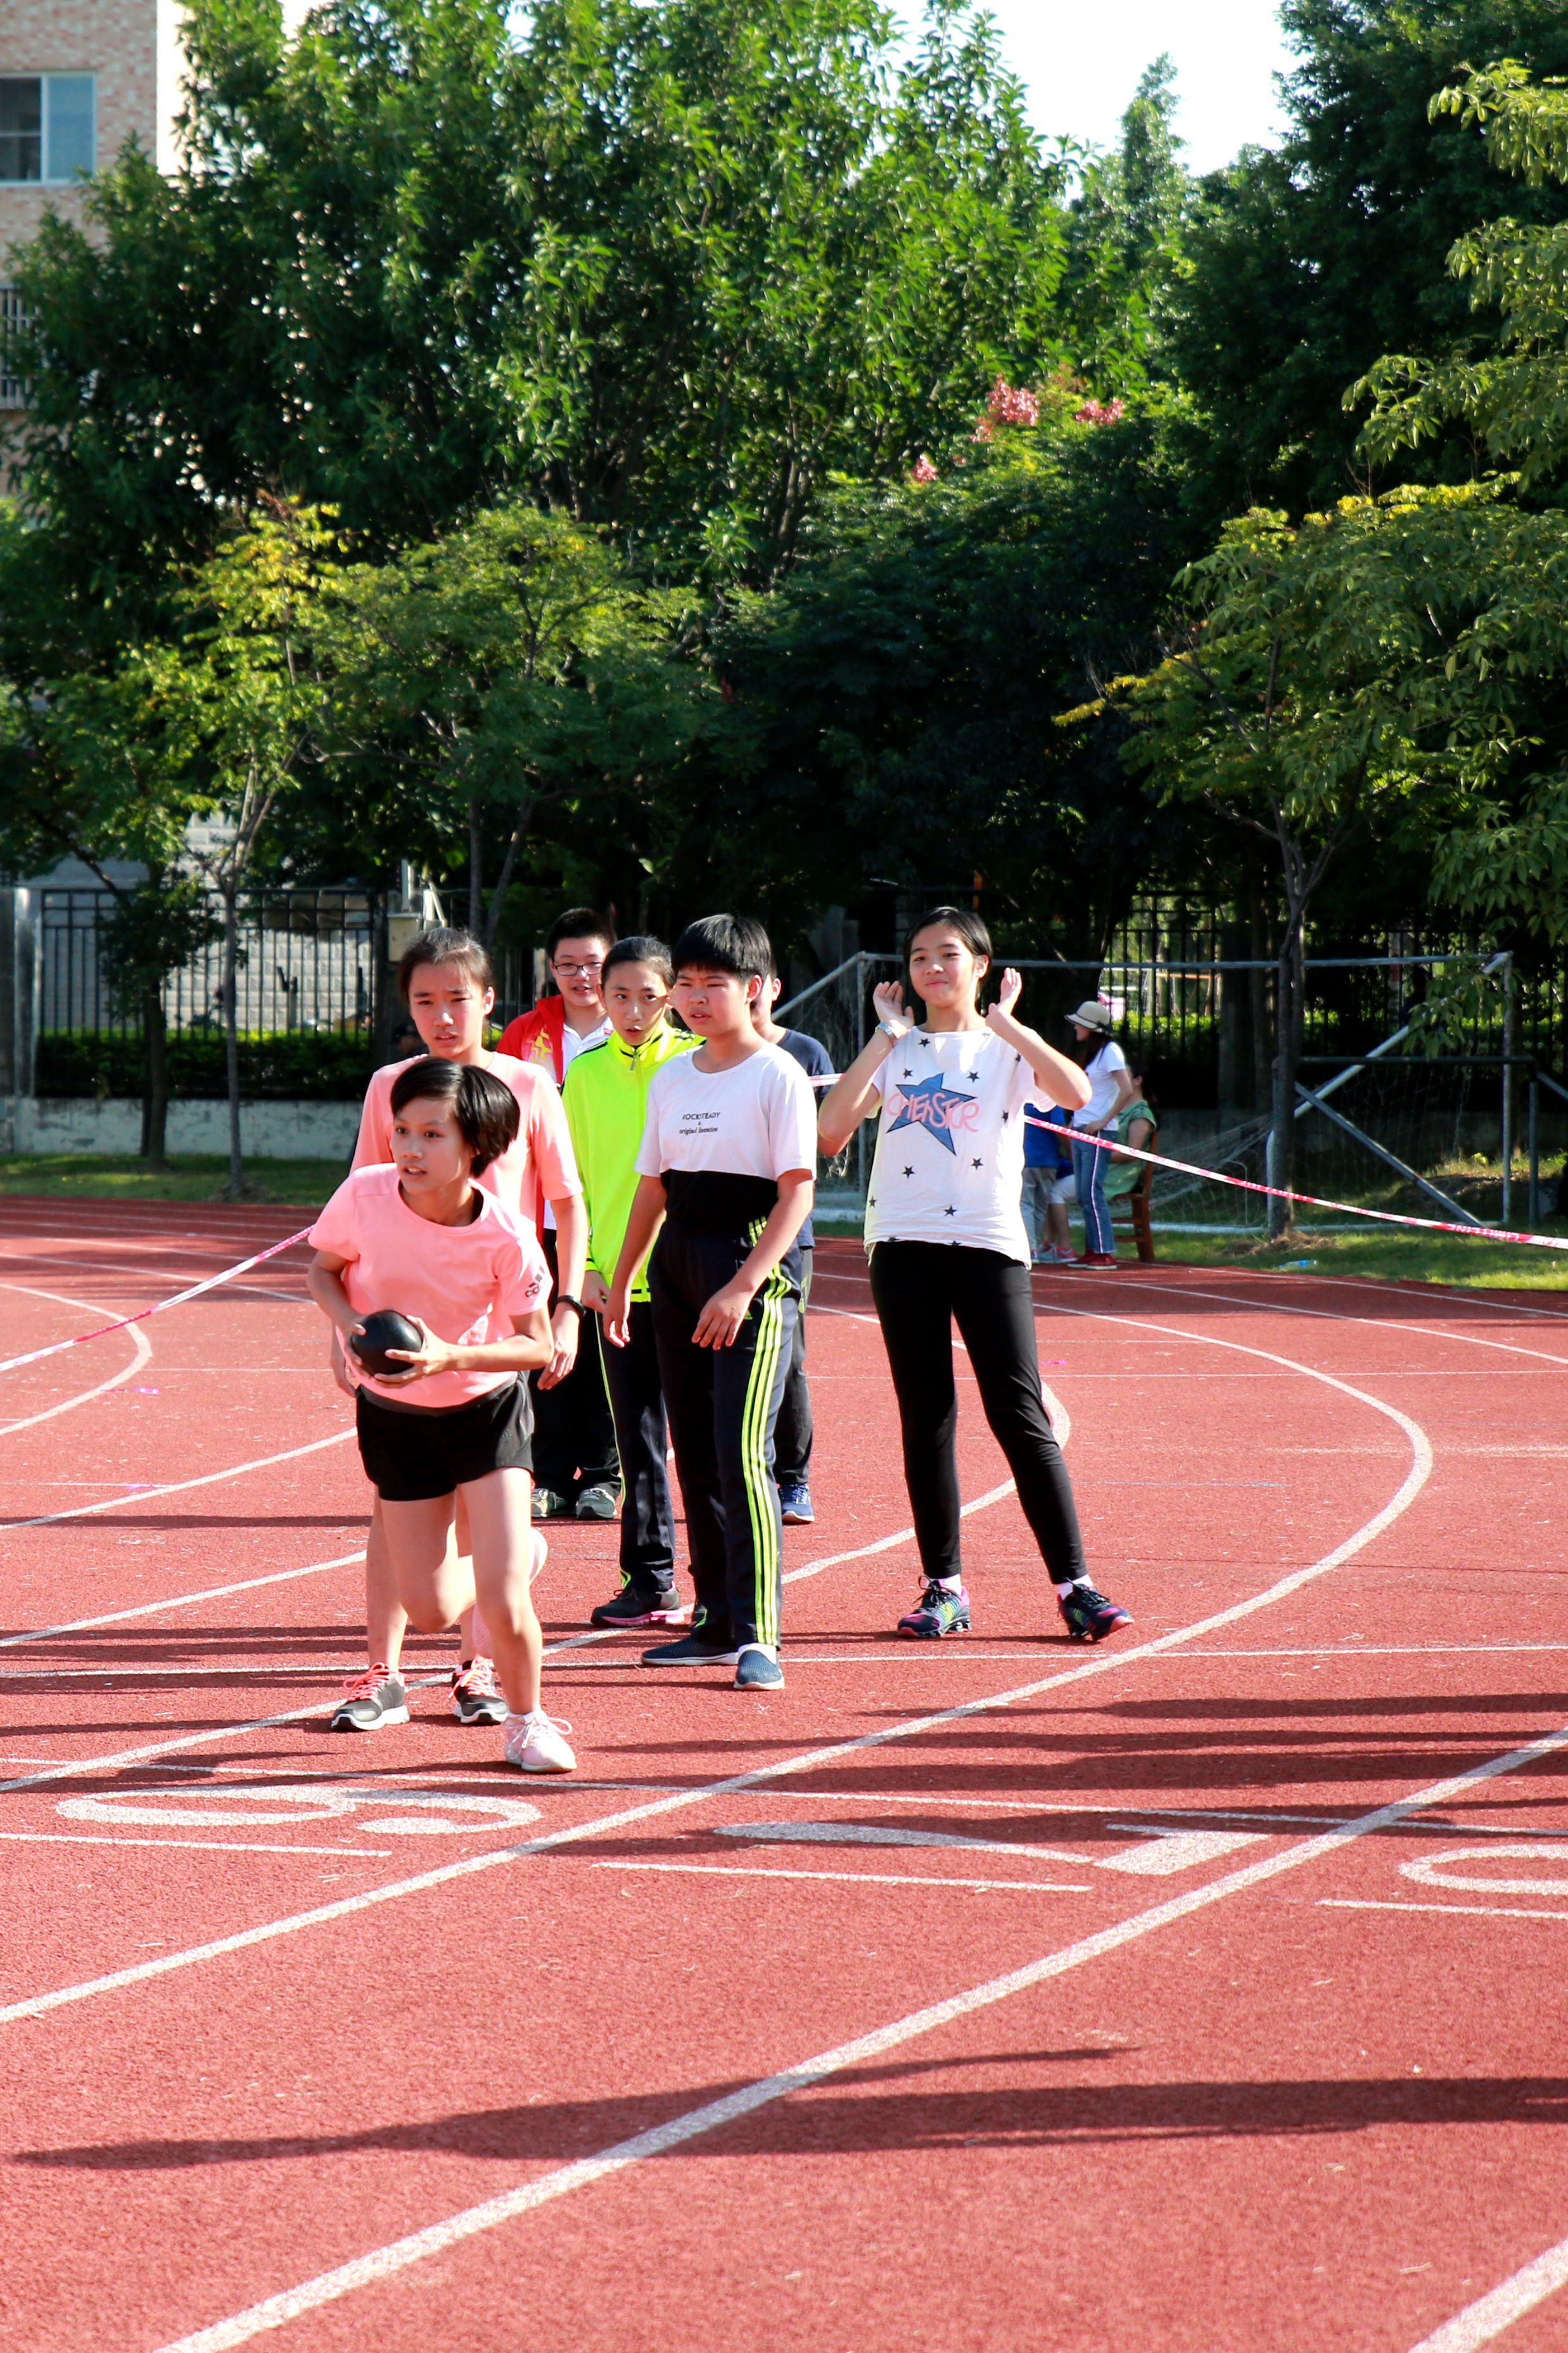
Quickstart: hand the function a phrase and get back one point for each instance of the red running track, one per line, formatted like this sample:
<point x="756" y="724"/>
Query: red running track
<point x="1199" y="1992"/>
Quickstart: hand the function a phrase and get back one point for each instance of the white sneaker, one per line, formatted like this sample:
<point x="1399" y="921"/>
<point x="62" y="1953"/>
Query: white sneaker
<point x="534" y="1744"/>
<point x="541" y="1555"/>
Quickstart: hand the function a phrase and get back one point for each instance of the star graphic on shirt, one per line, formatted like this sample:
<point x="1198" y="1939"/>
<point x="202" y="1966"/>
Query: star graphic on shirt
<point x="870" y="1201"/>
<point x="977" y="1163"/>
<point x="950" y="1213"/>
<point x="931" y="1103"/>
<point x="908" y="1172"/>
<point x="972" y="1078"/>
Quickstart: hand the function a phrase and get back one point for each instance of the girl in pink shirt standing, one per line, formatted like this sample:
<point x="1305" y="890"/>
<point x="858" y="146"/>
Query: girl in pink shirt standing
<point x="422" y="1238"/>
<point x="444" y="977"/>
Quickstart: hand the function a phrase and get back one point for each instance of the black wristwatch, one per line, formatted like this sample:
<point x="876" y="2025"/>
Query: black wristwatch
<point x="564" y="1299"/>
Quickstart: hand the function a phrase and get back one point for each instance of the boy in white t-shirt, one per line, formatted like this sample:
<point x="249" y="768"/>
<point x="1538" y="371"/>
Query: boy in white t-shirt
<point x="726" y="1176"/>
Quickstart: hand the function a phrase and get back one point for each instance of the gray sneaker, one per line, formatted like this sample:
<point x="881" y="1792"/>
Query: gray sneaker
<point x="599" y="1502"/>
<point x="549" y="1505"/>
<point x="370" y="1700"/>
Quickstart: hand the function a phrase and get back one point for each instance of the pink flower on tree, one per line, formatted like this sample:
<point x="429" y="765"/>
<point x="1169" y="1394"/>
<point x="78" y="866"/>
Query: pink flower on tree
<point x="1011" y="404"/>
<point x="924" y="472"/>
<point x="1094" y="412"/>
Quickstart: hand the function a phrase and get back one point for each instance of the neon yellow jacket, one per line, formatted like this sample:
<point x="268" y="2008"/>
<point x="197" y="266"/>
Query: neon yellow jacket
<point x="605" y="1102"/>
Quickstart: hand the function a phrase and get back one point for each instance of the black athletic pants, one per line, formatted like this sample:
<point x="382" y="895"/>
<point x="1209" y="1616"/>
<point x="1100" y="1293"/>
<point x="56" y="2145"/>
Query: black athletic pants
<point x="920" y="1290"/>
<point x="722" y="1404"/>
<point x="572" y="1431"/>
<point x="636" y="1400"/>
<point x="792" y="1437"/>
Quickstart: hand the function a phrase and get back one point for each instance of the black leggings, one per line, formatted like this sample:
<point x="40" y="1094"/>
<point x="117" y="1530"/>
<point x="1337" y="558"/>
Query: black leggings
<point x="920" y="1289"/>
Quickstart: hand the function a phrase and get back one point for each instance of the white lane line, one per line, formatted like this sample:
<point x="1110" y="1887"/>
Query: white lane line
<point x="1486" y="1911"/>
<point x="809" y="1760"/>
<point x="860" y="1878"/>
<point x="219" y="1846"/>
<point x="142" y="1350"/>
<point x="384" y="2263"/>
<point x="1333" y="1316"/>
<point x="173" y="1601"/>
<point x="127" y="1275"/>
<point x="174" y="1486"/>
<point x="1491" y="2314"/>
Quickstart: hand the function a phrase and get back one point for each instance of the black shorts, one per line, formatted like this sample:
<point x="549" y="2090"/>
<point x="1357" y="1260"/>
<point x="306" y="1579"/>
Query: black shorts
<point x="411" y="1455"/>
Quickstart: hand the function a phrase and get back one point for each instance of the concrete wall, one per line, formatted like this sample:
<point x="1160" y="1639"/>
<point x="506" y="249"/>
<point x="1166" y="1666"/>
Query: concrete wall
<point x="268" y="1131"/>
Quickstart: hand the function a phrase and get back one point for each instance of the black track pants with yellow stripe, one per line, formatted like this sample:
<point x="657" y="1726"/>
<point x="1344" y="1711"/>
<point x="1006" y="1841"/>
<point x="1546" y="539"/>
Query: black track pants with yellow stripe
<point x="722" y="1404"/>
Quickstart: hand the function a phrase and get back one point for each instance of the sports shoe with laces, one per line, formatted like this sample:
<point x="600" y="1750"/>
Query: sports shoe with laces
<point x="1089" y="1616"/>
<point x="635" y="1606"/>
<point x="547" y="1504"/>
<point x="1096" y="1258"/>
<point x="756" y="1669"/>
<point x="536" y="1743"/>
<point x="476" y="1697"/>
<point x="371" y="1700"/>
<point x="937" y="1612"/>
<point x="600" y="1501"/>
<point x="794" y="1503"/>
<point x="693" y="1650"/>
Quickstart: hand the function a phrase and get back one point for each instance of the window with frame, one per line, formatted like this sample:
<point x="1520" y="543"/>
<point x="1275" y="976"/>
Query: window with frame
<point x="48" y="127"/>
<point x="12" y="317"/>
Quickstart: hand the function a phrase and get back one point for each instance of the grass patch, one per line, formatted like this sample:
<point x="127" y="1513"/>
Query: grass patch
<point x="189" y="1176"/>
<point x="1383" y="1255"/>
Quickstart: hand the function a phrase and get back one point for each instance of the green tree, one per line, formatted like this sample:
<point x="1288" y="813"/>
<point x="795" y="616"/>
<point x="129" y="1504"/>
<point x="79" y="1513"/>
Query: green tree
<point x="1304" y="265"/>
<point x="902" y="679"/>
<point x="510" y="674"/>
<point x="665" y="266"/>
<point x="1124" y="244"/>
<point x="1372" y="676"/>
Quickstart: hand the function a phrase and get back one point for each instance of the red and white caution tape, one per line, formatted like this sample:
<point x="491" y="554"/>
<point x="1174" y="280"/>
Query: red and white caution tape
<point x="159" y="1306"/>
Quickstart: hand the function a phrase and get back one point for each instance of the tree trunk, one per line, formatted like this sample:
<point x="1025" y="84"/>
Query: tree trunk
<point x="1289" y="992"/>
<point x="476" y="868"/>
<point x="155" y="1091"/>
<point x="235" y="1187"/>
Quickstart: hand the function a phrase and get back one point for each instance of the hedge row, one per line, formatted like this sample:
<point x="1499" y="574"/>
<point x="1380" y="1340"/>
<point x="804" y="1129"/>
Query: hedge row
<point x="301" y="1065"/>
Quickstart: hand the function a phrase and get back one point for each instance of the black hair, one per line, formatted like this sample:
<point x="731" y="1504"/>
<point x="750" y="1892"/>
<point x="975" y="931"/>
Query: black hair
<point x="486" y="1111"/>
<point x="641" y="948"/>
<point x="445" y="944"/>
<point x="579" y="923"/>
<point x="970" y="927"/>
<point x="735" y="944"/>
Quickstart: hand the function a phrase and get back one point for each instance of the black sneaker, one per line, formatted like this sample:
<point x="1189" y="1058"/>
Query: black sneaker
<point x="476" y="1697"/>
<point x="1089" y="1616"/>
<point x="937" y="1612"/>
<point x="370" y="1700"/>
<point x="693" y="1650"/>
<point x="632" y="1607"/>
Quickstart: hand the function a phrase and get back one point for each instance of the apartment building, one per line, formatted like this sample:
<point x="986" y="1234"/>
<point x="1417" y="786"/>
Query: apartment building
<point x="77" y="78"/>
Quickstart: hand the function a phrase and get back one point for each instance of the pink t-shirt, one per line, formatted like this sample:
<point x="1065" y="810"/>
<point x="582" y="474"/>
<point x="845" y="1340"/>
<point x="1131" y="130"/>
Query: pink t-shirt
<point x="466" y="1282"/>
<point x="540" y="1167"/>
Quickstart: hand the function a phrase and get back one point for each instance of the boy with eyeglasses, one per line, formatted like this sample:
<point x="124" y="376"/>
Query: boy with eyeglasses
<point x="576" y="1470"/>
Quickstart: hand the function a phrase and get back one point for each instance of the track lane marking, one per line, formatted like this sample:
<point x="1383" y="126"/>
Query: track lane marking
<point x="860" y="1878"/>
<point x="173" y="1487"/>
<point x="1485" y="1911"/>
<point x="382" y="2262"/>
<point x="1487" y="2318"/>
<point x="141" y="1355"/>
<point x="173" y="1601"/>
<point x="808" y="1760"/>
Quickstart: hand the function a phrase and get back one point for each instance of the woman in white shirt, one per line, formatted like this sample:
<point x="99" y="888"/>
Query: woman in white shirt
<point x="1112" y="1090"/>
<point x="946" y="1236"/>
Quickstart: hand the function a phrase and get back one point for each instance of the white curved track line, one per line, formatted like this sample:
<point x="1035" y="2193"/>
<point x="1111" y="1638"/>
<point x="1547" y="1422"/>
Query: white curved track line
<point x="1329" y="1315"/>
<point x="677" y="1801"/>
<point x="1487" y="2318"/>
<point x="173" y="1487"/>
<point x="174" y="1601"/>
<point x="542" y="2189"/>
<point x="142" y="1349"/>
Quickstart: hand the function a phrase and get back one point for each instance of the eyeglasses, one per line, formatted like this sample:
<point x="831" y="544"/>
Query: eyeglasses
<point x="570" y="970"/>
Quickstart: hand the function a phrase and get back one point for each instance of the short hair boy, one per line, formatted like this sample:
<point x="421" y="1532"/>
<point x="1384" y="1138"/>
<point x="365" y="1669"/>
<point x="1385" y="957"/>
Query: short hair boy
<point x="725" y="1182"/>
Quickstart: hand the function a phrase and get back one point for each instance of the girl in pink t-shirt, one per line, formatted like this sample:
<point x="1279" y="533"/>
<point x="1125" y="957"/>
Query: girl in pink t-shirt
<point x="422" y="1238"/>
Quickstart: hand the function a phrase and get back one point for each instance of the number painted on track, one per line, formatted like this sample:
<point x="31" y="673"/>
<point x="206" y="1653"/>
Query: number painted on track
<point x="244" y="1806"/>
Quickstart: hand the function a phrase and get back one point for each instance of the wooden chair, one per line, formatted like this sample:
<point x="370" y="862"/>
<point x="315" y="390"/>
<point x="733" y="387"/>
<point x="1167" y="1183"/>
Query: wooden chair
<point x="1132" y="1208"/>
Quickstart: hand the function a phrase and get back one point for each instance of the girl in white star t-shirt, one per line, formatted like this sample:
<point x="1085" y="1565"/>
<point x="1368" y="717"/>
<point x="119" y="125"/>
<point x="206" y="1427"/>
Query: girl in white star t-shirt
<point x="945" y="1231"/>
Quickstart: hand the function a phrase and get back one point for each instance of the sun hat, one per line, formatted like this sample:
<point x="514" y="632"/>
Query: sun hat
<point x="1094" y="1014"/>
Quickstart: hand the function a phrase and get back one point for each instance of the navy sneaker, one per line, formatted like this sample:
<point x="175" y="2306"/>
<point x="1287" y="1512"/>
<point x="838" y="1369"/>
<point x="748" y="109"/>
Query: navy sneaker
<point x="634" y="1606"/>
<point x="693" y="1650"/>
<point x="938" y="1612"/>
<point x="794" y="1503"/>
<point x="1089" y="1616"/>
<point x="758" y="1670"/>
